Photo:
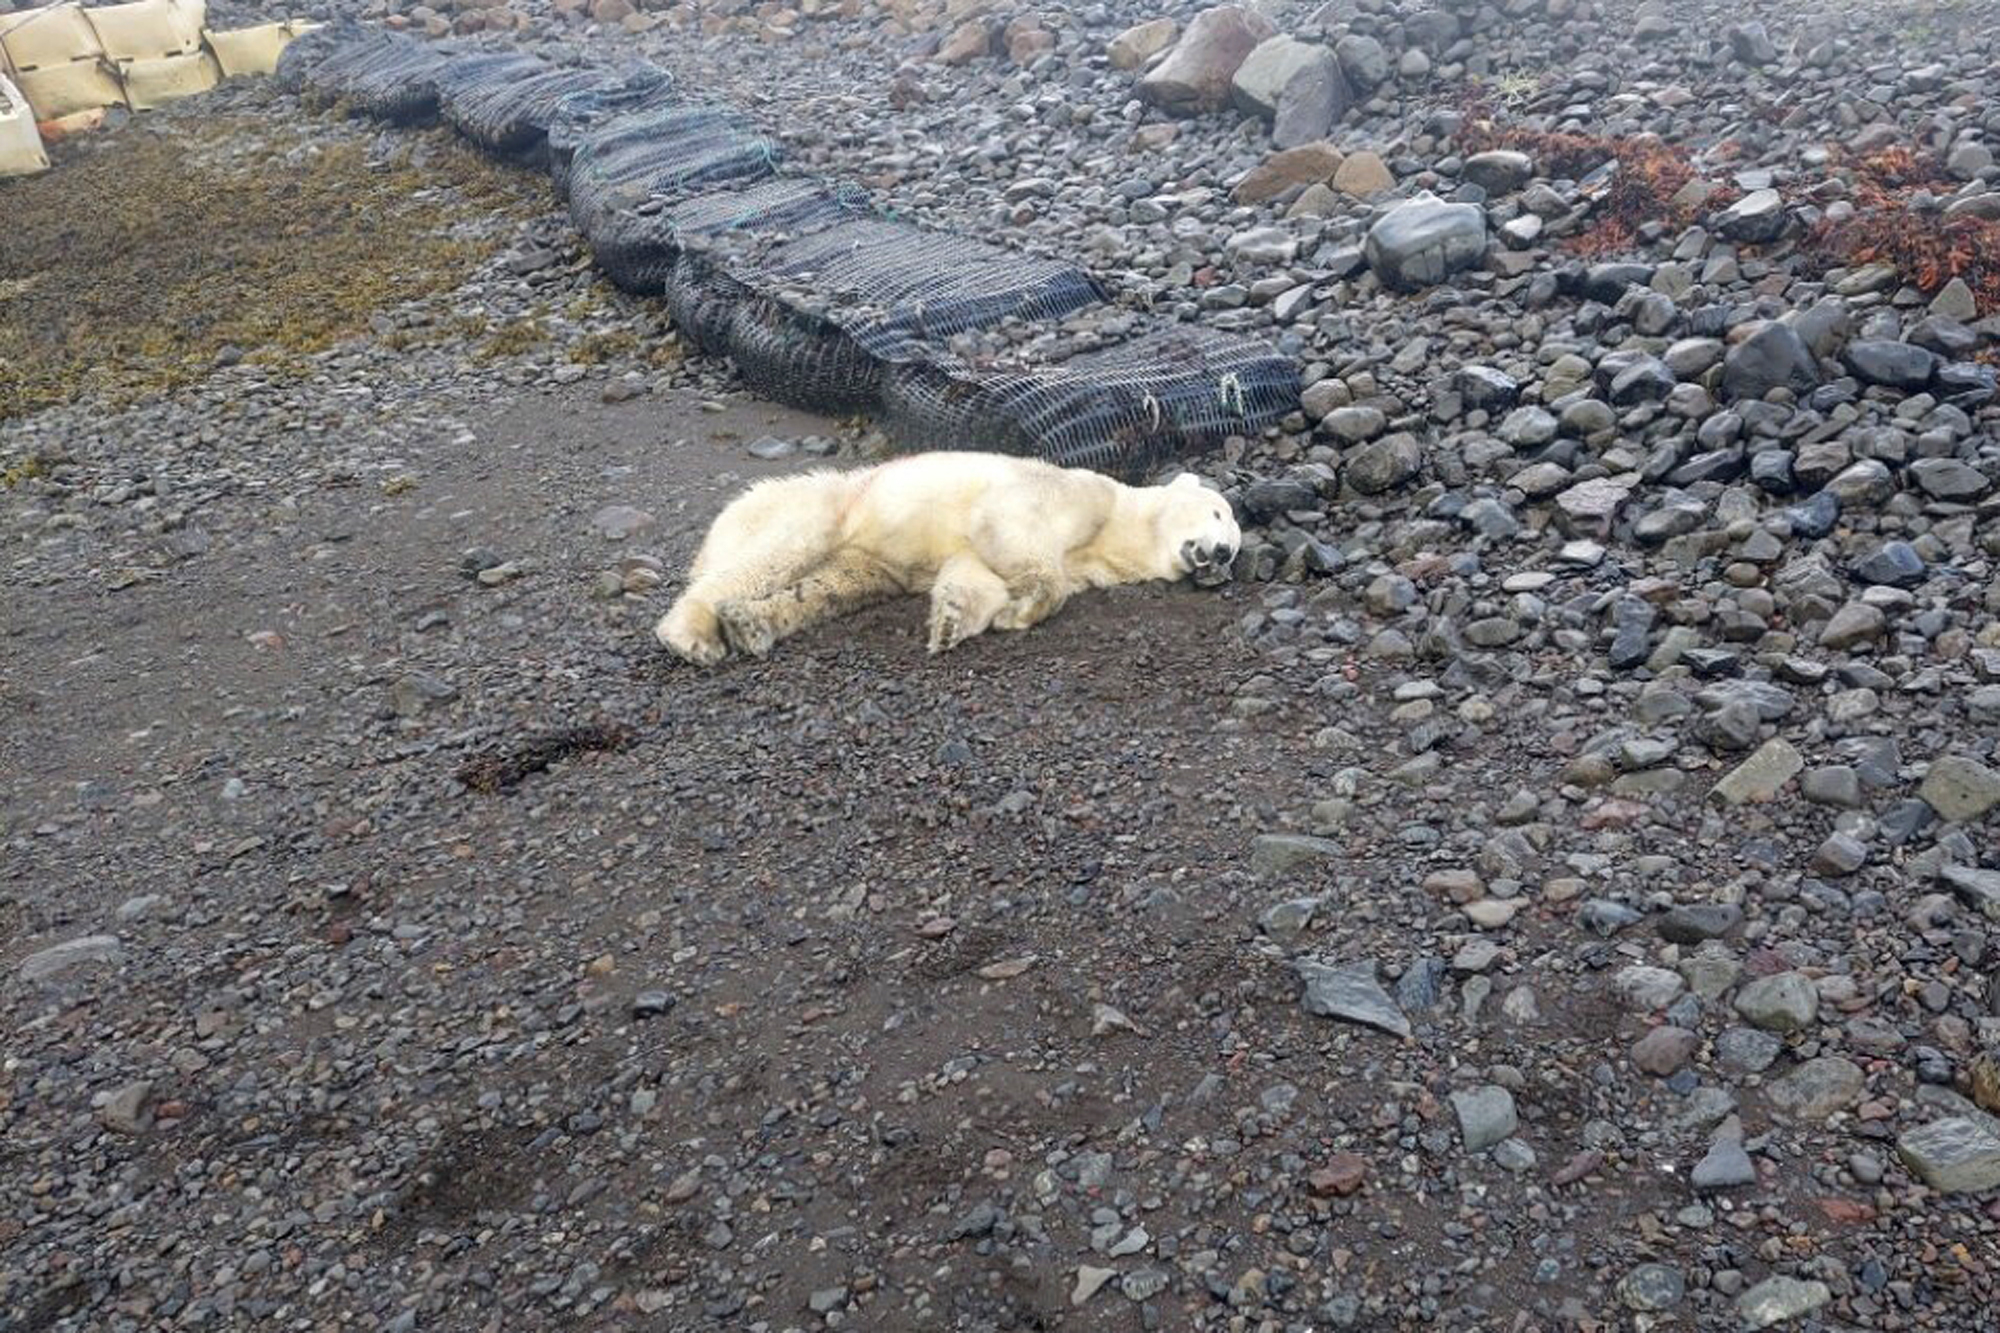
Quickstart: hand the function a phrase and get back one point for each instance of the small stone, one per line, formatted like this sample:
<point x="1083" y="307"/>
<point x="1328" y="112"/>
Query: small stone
<point x="1486" y="1115"/>
<point x="1090" y="1281"/>
<point x="1424" y="241"/>
<point x="1349" y="991"/>
<point x="1663" y="1051"/>
<point x="127" y="1111"/>
<point x="1726" y="1166"/>
<point x="1778" y="1300"/>
<point x="1652" y="1287"/>
<point x="1644" y="989"/>
<point x="1761" y="776"/>
<point x="1784" y="1002"/>
<point x="1273" y="854"/>
<point x="1960" y="789"/>
<point x="1818" y="1088"/>
<point x="615" y="523"/>
<point x="1343" y="1174"/>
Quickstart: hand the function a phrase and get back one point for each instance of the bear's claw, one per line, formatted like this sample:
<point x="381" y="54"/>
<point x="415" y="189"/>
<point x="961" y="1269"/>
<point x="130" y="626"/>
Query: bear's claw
<point x="747" y="633"/>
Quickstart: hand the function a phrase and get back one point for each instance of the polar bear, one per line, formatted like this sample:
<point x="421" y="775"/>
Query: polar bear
<point x="997" y="541"/>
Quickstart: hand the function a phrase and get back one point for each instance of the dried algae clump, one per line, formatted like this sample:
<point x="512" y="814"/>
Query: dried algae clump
<point x="150" y="252"/>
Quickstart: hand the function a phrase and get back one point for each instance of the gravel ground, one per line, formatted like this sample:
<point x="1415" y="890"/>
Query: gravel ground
<point x="1554" y="886"/>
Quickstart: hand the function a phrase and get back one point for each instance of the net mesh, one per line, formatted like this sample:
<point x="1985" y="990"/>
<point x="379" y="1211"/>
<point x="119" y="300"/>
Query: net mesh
<point x="836" y="308"/>
<point x="662" y="152"/>
<point x="506" y="109"/>
<point x="304" y="53"/>
<point x="1125" y="411"/>
<point x="637" y="88"/>
<point x="638" y="248"/>
<point x="384" y="75"/>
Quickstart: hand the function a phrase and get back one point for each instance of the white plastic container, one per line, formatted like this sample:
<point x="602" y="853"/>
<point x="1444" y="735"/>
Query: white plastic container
<point x="254" y="50"/>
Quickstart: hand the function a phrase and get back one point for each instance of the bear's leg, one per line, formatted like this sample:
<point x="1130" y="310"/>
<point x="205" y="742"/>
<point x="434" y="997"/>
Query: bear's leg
<point x="762" y="541"/>
<point x="846" y="581"/>
<point x="1034" y="593"/>
<point x="964" y="599"/>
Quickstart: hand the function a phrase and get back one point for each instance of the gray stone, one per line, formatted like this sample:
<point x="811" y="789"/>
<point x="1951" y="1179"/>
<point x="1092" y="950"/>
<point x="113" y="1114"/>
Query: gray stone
<point x="1758" y="217"/>
<point x="1747" y="1050"/>
<point x="127" y="1111"/>
<point x="1383" y="465"/>
<point x="1891" y="364"/>
<point x="1139" y="43"/>
<point x="1363" y="60"/>
<point x="1977" y="889"/>
<point x="1424" y="241"/>
<point x="1725" y="1166"/>
<point x="1652" y="1287"/>
<point x="1773" y="357"/>
<point x="1960" y="789"/>
<point x="1280" y="853"/>
<point x="1761" y="776"/>
<point x="59" y="958"/>
<point x="1949" y="479"/>
<point x="1486" y="1115"/>
<point x="1956" y="1155"/>
<point x="1779" y="1300"/>
<point x="1644" y="989"/>
<point x="1499" y="171"/>
<point x="1349" y="991"/>
<point x="1817" y="1089"/>
<point x="617" y="522"/>
<point x="1269" y="68"/>
<point x="1691" y="923"/>
<point x="418" y="693"/>
<point x="1851" y="626"/>
<point x="1784" y="1002"/>
<point x="1312" y="103"/>
<point x="1196" y="75"/>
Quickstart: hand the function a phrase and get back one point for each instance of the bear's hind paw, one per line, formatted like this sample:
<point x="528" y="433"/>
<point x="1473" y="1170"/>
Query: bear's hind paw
<point x="746" y="632"/>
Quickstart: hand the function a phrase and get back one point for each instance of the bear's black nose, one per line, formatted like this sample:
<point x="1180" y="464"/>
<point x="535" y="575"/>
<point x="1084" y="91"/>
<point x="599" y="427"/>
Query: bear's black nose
<point x="1222" y="554"/>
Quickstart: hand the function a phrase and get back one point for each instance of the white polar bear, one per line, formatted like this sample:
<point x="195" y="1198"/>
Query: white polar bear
<point x="997" y="542"/>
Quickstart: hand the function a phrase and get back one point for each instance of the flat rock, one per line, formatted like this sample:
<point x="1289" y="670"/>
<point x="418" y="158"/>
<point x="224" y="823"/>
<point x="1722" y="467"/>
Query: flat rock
<point x="60" y="958"/>
<point x="1761" y="776"/>
<point x="1350" y="992"/>
<point x="1956" y="1155"/>
<point x="1779" y="1300"/>
<point x="1817" y="1089"/>
<point x="1139" y="43"/>
<point x="1260" y="81"/>
<point x="1278" y="853"/>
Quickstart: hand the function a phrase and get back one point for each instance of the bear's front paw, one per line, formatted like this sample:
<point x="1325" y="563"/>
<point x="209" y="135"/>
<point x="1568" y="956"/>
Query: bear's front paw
<point x="947" y="624"/>
<point x="746" y="632"/>
<point x="680" y="640"/>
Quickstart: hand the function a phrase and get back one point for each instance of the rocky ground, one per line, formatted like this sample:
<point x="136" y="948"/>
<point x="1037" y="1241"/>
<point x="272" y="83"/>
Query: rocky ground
<point x="1554" y="886"/>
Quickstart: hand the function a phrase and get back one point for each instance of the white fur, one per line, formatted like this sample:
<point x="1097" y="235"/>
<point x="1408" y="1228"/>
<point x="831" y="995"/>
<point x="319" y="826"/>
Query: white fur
<point x="996" y="541"/>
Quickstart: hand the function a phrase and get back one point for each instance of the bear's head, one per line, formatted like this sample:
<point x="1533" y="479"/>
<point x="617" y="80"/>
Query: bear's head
<point x="1196" y="528"/>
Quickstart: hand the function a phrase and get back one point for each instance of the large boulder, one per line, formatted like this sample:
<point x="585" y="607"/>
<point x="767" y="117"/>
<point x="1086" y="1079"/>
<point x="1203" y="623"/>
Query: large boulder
<point x="1262" y="77"/>
<point x="1195" y="76"/>
<point x="1317" y="96"/>
<point x="1425" y="241"/>
<point x="1363" y="60"/>
<point x="1774" y="356"/>
<point x="1132" y="48"/>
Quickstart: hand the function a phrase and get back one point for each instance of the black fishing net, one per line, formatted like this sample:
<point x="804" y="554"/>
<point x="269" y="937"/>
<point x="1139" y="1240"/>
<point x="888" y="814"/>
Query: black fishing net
<point x="1125" y="411"/>
<point x="636" y="88"/>
<point x="384" y="75"/>
<point x="507" y="109"/>
<point x="665" y="152"/>
<point x="304" y="53"/>
<point x="700" y="301"/>
<point x="638" y="248"/>
<point x="839" y="306"/>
